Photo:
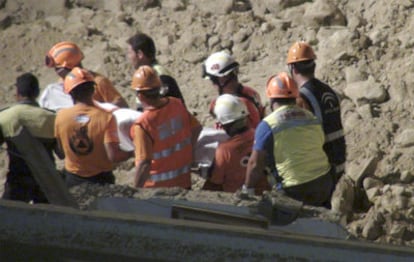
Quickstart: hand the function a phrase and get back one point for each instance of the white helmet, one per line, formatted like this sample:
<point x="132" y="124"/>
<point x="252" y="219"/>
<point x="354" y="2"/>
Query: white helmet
<point x="219" y="64"/>
<point x="229" y="108"/>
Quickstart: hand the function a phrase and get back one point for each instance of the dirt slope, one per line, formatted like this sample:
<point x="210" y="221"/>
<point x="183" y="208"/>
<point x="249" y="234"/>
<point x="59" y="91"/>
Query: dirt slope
<point x="364" y="51"/>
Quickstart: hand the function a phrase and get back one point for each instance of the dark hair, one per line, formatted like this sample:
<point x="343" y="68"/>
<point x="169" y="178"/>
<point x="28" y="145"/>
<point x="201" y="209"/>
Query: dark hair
<point x="283" y="101"/>
<point x="306" y="68"/>
<point x="143" y="42"/>
<point x="151" y="93"/>
<point x="83" y="91"/>
<point x="27" y="85"/>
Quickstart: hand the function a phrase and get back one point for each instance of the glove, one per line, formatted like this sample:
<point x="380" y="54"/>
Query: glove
<point x="246" y="193"/>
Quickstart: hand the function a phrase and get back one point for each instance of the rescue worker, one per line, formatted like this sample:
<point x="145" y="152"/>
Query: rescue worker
<point x="321" y="100"/>
<point x="222" y="70"/>
<point x="142" y="51"/>
<point x="20" y="183"/>
<point x="293" y="138"/>
<point x="63" y="57"/>
<point x="229" y="166"/>
<point x="164" y="135"/>
<point x="87" y="134"/>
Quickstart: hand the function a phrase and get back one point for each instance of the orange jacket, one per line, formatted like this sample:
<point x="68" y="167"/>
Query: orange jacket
<point x="170" y="130"/>
<point x="230" y="162"/>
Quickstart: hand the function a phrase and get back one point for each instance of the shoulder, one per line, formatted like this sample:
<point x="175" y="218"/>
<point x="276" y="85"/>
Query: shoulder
<point x="161" y="70"/>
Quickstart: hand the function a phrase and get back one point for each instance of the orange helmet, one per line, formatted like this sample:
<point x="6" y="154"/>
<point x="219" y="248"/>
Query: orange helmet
<point x="64" y="54"/>
<point x="76" y="77"/>
<point x="300" y="51"/>
<point x="145" y="78"/>
<point x="281" y="86"/>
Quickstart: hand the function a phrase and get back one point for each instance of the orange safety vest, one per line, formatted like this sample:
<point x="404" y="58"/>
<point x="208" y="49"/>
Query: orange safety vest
<point x="170" y="130"/>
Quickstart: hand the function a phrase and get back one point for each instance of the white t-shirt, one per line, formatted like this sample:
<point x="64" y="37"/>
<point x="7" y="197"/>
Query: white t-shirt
<point x="54" y="98"/>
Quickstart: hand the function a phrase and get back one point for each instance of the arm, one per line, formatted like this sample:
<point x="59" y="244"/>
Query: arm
<point x="195" y="129"/>
<point x="120" y="102"/>
<point x="142" y="173"/>
<point x="106" y="92"/>
<point x="143" y="155"/>
<point x="59" y="149"/>
<point x="255" y="168"/>
<point x="257" y="162"/>
<point x="115" y="154"/>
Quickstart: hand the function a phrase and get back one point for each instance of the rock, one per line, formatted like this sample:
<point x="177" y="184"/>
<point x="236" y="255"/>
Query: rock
<point x="353" y="74"/>
<point x="406" y="176"/>
<point x="365" y="111"/>
<point x="357" y="172"/>
<point x="343" y="196"/>
<point x="405" y="139"/>
<point x="323" y="13"/>
<point x="216" y="6"/>
<point x="174" y="5"/>
<point x="263" y="7"/>
<point x="373" y="227"/>
<point x="370" y="183"/>
<point x="31" y="7"/>
<point x="397" y="231"/>
<point x="368" y="91"/>
<point x="373" y="194"/>
<point x="5" y="21"/>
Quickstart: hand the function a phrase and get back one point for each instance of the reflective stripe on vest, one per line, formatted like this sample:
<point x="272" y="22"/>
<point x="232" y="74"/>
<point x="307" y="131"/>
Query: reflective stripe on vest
<point x="170" y="174"/>
<point x="169" y="129"/>
<point x="177" y="147"/>
<point x="314" y="103"/>
<point x="334" y="135"/>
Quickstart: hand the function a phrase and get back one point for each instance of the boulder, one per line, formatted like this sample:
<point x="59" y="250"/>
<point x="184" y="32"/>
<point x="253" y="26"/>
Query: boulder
<point x="324" y="13"/>
<point x="368" y="91"/>
<point x="405" y="138"/>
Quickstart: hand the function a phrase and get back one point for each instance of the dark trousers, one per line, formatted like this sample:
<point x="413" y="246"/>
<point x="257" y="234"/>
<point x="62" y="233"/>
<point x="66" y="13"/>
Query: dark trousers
<point x="316" y="192"/>
<point x="23" y="188"/>
<point x="101" y="178"/>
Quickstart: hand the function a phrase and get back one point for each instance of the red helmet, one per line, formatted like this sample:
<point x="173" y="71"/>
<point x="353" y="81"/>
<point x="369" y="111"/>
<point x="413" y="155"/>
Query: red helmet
<point x="64" y="54"/>
<point x="76" y="77"/>
<point x="281" y="86"/>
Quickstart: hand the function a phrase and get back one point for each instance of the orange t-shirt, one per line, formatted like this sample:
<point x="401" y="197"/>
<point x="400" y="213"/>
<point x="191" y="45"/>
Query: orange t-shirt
<point x="104" y="90"/>
<point x="82" y="131"/>
<point x="230" y="163"/>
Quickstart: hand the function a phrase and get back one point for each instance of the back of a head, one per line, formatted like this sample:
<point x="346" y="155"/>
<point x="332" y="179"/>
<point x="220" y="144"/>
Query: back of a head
<point x="79" y="80"/>
<point x="282" y="88"/>
<point x="27" y="85"/>
<point x="64" y="54"/>
<point x="229" y="108"/>
<point x="219" y="64"/>
<point x="143" y="42"/>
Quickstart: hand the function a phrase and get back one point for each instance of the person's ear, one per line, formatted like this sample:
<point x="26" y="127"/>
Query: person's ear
<point x="139" y="54"/>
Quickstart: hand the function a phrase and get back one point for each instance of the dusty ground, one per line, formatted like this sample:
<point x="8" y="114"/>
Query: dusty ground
<point x="364" y="51"/>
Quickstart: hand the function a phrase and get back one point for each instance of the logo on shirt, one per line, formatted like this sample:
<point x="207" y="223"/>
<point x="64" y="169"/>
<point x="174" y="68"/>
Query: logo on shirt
<point x="79" y="141"/>
<point x="330" y="102"/>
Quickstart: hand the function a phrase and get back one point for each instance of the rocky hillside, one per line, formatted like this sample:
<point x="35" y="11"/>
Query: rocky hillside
<point x="364" y="51"/>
